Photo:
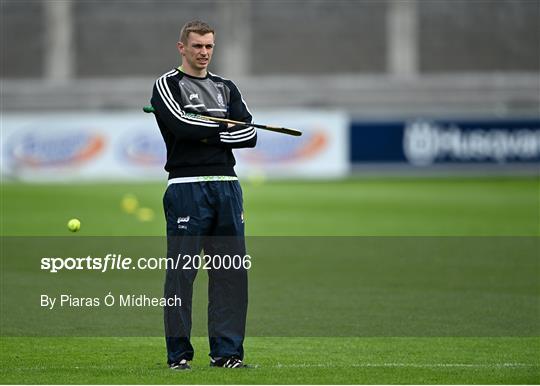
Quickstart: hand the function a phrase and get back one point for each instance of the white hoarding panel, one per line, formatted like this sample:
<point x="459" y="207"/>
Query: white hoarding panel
<point x="322" y="150"/>
<point x="129" y="146"/>
<point x="81" y="146"/>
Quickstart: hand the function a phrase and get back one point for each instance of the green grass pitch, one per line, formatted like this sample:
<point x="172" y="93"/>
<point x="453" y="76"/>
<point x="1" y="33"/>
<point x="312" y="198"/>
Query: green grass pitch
<point x="452" y="207"/>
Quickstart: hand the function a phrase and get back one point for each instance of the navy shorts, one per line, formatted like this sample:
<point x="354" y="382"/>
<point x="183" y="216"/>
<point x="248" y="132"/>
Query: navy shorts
<point x="206" y="216"/>
<point x="211" y="208"/>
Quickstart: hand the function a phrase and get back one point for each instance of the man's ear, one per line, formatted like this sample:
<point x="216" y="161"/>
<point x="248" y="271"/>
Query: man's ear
<point x="180" y="47"/>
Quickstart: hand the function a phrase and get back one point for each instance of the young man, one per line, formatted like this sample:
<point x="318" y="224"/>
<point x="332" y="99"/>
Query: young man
<point x="203" y="200"/>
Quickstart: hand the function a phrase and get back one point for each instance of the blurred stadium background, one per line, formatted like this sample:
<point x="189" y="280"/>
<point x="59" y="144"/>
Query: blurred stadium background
<point x="387" y="86"/>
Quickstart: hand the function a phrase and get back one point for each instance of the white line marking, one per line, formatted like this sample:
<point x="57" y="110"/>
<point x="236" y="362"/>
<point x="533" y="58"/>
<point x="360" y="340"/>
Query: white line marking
<point x="323" y="365"/>
<point x="414" y="365"/>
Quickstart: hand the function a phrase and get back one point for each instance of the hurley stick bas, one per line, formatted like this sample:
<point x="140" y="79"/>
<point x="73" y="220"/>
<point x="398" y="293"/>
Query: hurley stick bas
<point x="276" y="129"/>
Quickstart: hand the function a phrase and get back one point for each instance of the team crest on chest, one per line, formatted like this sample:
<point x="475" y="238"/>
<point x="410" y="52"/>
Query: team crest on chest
<point x="220" y="100"/>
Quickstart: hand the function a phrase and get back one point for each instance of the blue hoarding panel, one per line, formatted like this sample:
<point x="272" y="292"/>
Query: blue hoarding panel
<point x="426" y="142"/>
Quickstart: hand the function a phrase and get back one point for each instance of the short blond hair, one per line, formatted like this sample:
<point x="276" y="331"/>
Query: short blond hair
<point x="197" y="26"/>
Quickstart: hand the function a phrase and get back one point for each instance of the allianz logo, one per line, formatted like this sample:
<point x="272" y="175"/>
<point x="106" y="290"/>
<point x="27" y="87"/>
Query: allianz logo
<point x="425" y="142"/>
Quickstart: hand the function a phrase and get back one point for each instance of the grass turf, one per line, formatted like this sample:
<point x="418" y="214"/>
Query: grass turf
<point x="355" y="207"/>
<point x="277" y="361"/>
<point x="360" y="207"/>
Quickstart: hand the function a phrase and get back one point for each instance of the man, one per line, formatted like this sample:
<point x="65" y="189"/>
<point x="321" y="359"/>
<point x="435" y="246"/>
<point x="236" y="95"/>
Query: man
<point x="203" y="200"/>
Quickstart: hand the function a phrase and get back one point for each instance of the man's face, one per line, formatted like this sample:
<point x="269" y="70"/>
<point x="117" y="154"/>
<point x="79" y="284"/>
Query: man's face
<point x="197" y="52"/>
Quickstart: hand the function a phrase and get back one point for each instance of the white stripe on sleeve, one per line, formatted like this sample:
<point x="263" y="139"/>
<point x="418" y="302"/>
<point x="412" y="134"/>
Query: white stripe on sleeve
<point x="236" y="133"/>
<point x="244" y="138"/>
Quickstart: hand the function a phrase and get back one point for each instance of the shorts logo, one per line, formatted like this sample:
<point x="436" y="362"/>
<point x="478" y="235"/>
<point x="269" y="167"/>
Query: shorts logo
<point x="182" y="220"/>
<point x="242" y="217"/>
